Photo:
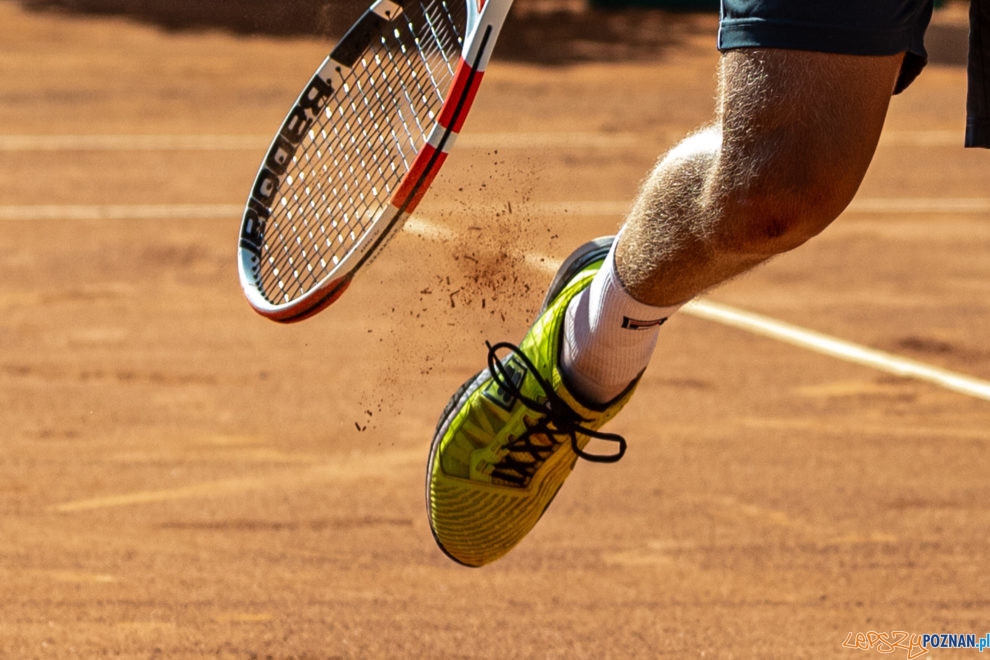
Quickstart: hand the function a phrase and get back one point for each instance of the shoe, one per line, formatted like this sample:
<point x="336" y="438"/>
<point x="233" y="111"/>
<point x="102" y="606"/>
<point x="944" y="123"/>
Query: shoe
<point x="511" y="435"/>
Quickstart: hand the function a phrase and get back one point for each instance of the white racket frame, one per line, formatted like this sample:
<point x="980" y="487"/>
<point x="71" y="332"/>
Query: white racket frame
<point x="484" y="20"/>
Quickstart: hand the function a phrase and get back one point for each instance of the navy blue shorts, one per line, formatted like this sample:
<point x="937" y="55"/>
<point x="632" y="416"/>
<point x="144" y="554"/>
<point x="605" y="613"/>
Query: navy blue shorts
<point x="978" y="99"/>
<point x="863" y="27"/>
<point x="850" y="27"/>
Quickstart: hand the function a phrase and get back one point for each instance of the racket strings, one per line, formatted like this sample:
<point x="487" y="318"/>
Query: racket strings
<point x="353" y="198"/>
<point x="403" y="120"/>
<point x="352" y="153"/>
<point x="360" y="147"/>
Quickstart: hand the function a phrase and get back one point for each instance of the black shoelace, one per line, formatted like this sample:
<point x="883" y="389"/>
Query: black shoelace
<point x="557" y="421"/>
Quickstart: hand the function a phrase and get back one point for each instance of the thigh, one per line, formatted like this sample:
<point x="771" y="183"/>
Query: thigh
<point x="802" y="123"/>
<point x="850" y="27"/>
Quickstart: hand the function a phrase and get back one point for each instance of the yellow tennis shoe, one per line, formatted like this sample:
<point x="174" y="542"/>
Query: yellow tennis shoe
<point x="511" y="435"/>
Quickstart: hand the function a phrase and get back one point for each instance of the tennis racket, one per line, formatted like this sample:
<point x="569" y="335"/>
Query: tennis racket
<point x="359" y="148"/>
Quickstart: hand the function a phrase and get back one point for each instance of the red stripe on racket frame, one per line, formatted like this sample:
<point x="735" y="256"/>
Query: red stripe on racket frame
<point x="418" y="179"/>
<point x="455" y="109"/>
<point x="460" y="97"/>
<point x="329" y="295"/>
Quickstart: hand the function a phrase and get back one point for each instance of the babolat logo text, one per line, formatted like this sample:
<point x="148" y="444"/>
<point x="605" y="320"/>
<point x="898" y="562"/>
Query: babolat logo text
<point x="311" y="102"/>
<point x="635" y="324"/>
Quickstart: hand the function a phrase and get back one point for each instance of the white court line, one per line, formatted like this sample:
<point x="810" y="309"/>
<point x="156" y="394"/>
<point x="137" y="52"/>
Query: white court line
<point x="471" y="140"/>
<point x="839" y="348"/>
<point x="902" y="205"/>
<point x="779" y="330"/>
<point x="618" y="209"/>
<point x="513" y="140"/>
<point x="931" y="138"/>
<point x="747" y="321"/>
<point x="27" y="212"/>
<point x="132" y="142"/>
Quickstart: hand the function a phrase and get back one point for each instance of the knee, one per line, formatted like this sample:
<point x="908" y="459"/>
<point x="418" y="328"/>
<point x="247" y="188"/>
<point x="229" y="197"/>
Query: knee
<point x="770" y="214"/>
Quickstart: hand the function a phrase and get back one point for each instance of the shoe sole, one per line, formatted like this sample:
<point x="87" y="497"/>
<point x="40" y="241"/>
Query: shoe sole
<point x="581" y="258"/>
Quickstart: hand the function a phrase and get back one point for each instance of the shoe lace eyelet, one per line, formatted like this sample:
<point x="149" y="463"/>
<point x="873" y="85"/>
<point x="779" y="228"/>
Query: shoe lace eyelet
<point x="549" y="417"/>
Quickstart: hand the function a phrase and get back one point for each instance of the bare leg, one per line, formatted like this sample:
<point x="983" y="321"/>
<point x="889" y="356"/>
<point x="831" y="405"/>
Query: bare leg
<point x="793" y="136"/>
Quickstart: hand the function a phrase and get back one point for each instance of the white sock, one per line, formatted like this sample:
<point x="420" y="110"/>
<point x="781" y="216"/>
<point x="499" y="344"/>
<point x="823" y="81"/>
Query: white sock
<point x="609" y="336"/>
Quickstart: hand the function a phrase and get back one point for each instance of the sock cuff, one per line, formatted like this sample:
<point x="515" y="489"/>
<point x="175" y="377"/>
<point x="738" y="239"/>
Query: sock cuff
<point x="611" y="304"/>
<point x="609" y="336"/>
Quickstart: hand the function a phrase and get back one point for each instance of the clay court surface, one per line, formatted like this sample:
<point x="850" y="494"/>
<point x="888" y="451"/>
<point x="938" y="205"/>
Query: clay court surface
<point x="180" y="477"/>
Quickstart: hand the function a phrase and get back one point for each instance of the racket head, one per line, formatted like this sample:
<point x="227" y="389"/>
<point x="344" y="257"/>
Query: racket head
<point x="359" y="148"/>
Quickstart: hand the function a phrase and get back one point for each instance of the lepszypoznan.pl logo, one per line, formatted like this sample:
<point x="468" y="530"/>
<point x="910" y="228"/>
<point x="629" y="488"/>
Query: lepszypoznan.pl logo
<point x="913" y="645"/>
